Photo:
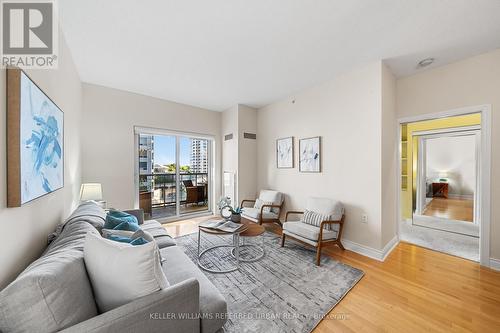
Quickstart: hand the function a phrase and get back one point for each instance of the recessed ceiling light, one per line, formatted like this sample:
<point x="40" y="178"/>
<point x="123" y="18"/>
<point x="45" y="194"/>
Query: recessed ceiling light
<point x="426" y="62"/>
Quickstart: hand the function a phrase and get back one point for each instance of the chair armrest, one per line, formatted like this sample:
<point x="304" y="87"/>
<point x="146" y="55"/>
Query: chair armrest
<point x="138" y="213"/>
<point x="323" y="223"/>
<point x="246" y="200"/>
<point x="330" y="222"/>
<point x="175" y="309"/>
<point x="270" y="206"/>
<point x="292" y="212"/>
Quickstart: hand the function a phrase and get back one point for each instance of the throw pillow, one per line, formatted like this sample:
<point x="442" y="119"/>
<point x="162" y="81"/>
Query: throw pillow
<point x="138" y="237"/>
<point x="115" y="217"/>
<point x="259" y="203"/>
<point x="315" y="219"/>
<point x="120" y="273"/>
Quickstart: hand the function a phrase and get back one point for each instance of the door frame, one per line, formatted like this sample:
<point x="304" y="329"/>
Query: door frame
<point x="211" y="168"/>
<point x="423" y="136"/>
<point x="484" y="172"/>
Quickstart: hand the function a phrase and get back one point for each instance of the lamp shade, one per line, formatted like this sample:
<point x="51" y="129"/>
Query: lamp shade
<point x="91" y="191"/>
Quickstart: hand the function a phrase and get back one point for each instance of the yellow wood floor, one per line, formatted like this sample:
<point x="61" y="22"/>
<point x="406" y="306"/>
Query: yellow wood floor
<point x="414" y="290"/>
<point x="453" y="209"/>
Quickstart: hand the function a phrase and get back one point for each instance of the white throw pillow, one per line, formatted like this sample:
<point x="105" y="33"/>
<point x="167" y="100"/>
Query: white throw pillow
<point x="120" y="272"/>
<point x="259" y="203"/>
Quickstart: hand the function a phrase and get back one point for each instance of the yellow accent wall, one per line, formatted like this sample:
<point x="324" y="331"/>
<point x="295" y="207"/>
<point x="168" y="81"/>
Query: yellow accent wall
<point x="410" y="153"/>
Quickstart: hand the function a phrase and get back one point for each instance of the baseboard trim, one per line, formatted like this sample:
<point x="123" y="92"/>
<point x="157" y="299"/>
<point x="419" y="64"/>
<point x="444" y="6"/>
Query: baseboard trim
<point x="370" y="252"/>
<point x="495" y="264"/>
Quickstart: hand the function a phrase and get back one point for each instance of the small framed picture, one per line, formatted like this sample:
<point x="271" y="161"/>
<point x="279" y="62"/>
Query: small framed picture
<point x="284" y="153"/>
<point x="310" y="154"/>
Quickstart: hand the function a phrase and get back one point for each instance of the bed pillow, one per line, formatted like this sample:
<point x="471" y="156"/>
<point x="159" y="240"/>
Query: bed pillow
<point x="120" y="272"/>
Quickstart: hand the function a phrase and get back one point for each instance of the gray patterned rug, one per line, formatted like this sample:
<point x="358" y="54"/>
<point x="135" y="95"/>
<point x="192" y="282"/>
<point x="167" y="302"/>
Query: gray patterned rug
<point x="282" y="292"/>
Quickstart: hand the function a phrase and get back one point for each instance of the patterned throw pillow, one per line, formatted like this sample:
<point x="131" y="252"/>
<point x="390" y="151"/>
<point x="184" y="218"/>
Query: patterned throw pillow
<point x="315" y="219"/>
<point x="259" y="203"/>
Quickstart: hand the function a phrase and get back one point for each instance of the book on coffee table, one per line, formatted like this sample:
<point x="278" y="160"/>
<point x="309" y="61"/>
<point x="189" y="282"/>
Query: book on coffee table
<point x="222" y="225"/>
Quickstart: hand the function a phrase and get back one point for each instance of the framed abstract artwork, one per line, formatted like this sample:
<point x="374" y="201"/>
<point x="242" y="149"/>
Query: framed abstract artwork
<point x="35" y="141"/>
<point x="284" y="153"/>
<point x="310" y="154"/>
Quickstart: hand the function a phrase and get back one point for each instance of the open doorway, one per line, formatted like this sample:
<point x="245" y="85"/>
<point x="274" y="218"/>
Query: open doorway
<point x="447" y="187"/>
<point x="440" y="185"/>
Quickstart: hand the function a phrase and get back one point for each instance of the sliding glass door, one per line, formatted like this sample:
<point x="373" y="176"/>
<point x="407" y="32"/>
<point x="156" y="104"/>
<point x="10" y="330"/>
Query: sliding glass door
<point x="174" y="174"/>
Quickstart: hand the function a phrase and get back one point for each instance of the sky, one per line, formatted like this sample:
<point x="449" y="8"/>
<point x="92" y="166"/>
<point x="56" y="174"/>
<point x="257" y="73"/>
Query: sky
<point x="164" y="147"/>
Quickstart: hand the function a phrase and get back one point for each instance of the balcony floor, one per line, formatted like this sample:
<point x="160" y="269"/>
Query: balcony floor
<point x="170" y="211"/>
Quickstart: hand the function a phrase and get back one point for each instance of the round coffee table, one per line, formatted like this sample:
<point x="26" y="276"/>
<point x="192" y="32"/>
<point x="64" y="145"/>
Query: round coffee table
<point x="253" y="230"/>
<point x="234" y="251"/>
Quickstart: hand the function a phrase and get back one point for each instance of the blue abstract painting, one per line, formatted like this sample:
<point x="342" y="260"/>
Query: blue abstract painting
<point x="41" y="131"/>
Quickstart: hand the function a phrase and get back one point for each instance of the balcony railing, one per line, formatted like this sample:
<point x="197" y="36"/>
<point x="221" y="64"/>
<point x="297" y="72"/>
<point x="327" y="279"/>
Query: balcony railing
<point x="158" y="190"/>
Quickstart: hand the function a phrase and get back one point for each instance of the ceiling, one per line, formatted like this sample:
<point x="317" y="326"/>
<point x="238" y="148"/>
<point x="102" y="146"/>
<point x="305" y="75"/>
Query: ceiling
<point x="218" y="53"/>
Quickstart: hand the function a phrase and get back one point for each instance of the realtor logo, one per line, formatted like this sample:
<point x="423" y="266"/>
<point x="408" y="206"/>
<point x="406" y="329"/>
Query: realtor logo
<point x="29" y="34"/>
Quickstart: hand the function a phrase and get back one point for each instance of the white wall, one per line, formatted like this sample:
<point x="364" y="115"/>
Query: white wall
<point x="389" y="157"/>
<point x="456" y="156"/>
<point x="239" y="154"/>
<point x="347" y="113"/>
<point x="108" y="136"/>
<point x="229" y="125"/>
<point x="25" y="229"/>
<point x="247" y="153"/>
<point x="474" y="81"/>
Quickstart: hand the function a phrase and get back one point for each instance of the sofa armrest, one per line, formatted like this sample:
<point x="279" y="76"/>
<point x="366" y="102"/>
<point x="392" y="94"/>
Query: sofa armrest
<point x="175" y="309"/>
<point x="138" y="213"/>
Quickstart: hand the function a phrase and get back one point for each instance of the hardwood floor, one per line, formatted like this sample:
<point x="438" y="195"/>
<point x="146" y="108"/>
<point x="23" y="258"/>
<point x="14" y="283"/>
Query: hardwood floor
<point x="453" y="209"/>
<point x="414" y="290"/>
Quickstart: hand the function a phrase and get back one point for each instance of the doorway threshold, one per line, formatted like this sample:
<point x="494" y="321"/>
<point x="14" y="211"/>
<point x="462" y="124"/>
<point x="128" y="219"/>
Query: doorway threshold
<point x="454" y="226"/>
<point x="185" y="217"/>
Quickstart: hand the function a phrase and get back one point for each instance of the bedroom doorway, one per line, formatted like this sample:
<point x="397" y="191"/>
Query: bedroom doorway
<point x="446" y="177"/>
<point x="441" y="163"/>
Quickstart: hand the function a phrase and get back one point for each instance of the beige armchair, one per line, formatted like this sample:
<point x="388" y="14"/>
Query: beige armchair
<point x="265" y="209"/>
<point x="317" y="232"/>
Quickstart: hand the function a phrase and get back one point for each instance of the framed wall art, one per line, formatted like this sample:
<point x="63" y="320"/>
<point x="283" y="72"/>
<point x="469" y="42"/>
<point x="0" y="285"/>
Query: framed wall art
<point x="35" y="141"/>
<point x="310" y="154"/>
<point x="284" y="153"/>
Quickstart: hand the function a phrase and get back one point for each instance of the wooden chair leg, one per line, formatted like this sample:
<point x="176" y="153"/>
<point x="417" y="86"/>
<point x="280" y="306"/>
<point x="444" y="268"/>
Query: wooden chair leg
<point x="339" y="243"/>
<point x="318" y="254"/>
<point x="283" y="240"/>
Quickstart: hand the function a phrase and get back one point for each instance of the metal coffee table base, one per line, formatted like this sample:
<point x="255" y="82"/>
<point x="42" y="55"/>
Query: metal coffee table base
<point x="258" y="257"/>
<point x="234" y="252"/>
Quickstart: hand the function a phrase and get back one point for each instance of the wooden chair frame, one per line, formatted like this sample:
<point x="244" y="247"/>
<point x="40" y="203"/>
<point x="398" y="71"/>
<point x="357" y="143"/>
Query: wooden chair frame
<point x="261" y="218"/>
<point x="320" y="240"/>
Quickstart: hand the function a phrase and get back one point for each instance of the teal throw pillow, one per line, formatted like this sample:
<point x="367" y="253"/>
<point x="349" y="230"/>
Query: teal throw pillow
<point x="116" y="217"/>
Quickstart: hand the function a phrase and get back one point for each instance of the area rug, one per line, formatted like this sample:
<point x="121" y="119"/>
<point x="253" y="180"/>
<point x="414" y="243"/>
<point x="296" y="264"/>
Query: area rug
<point x="282" y="292"/>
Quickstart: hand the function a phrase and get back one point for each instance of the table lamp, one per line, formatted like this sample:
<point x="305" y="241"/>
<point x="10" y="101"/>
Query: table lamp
<point x="92" y="192"/>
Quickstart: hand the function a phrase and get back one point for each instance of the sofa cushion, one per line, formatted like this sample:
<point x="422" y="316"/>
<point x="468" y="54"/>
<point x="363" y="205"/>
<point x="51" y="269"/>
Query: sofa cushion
<point x="53" y="292"/>
<point x="254" y="213"/>
<point x="161" y="236"/>
<point x="120" y="272"/>
<point x="308" y="231"/>
<point x="213" y="307"/>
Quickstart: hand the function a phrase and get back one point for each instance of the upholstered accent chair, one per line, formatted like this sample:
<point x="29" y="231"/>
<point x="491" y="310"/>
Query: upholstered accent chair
<point x="265" y="209"/>
<point x="322" y="223"/>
